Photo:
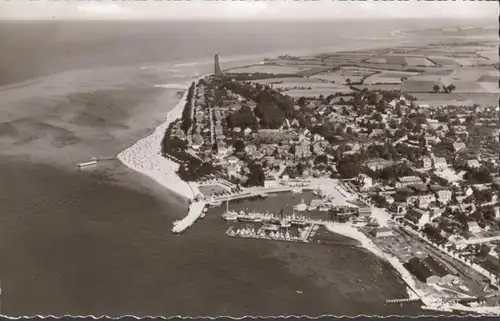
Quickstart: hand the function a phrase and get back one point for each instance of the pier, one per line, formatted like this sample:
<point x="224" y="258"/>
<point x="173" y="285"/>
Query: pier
<point x="195" y="210"/>
<point x="261" y="236"/>
<point x="407" y="300"/>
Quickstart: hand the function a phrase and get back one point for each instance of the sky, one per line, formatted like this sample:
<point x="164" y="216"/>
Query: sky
<point x="239" y="9"/>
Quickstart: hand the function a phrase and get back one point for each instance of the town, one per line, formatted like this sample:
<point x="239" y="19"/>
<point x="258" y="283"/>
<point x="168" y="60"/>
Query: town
<point x="417" y="178"/>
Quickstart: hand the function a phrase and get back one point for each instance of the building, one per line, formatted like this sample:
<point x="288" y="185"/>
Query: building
<point x="473" y="163"/>
<point x="440" y="163"/>
<point x="429" y="270"/>
<point x="426" y="162"/>
<point x="444" y="196"/>
<point x="217" y="70"/>
<point x="459" y="146"/>
<point x="474" y="227"/>
<point x="408" y="180"/>
<point x="425" y="200"/>
<point x="364" y="182"/>
<point x="418" y="216"/>
<point x="381" y="232"/>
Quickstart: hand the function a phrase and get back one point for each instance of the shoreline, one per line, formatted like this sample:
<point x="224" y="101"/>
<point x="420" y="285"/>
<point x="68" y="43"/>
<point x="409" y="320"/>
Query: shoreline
<point x="145" y="155"/>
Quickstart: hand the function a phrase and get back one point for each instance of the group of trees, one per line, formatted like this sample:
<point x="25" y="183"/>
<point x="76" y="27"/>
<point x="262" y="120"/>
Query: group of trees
<point x="256" y="176"/>
<point x="446" y="89"/>
<point x="186" y="112"/>
<point x="479" y="175"/>
<point x="242" y="118"/>
<point x="195" y="169"/>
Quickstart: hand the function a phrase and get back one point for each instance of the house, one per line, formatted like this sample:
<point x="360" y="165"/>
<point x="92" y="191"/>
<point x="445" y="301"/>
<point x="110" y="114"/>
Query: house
<point x="381" y="232"/>
<point x="250" y="148"/>
<point x="439" y="163"/>
<point x="458" y="146"/>
<point x="426" y="162"/>
<point x="425" y="200"/>
<point x="232" y="160"/>
<point x="197" y="141"/>
<point x="418" y="216"/>
<point x="473" y="163"/>
<point x="408" y="180"/>
<point x="444" y="196"/>
<point x="378" y="164"/>
<point x="474" y="227"/>
<point x="429" y="270"/>
<point x="364" y="182"/>
<point x="222" y="147"/>
<point x="303" y="150"/>
<point x="247" y="131"/>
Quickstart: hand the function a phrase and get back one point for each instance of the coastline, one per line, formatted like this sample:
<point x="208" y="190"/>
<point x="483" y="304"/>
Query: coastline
<point x="145" y="155"/>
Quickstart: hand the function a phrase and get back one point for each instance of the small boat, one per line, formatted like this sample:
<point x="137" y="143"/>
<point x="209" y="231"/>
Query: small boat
<point x="263" y="195"/>
<point x="92" y="161"/>
<point x="285" y="223"/>
<point x="270" y="227"/>
<point x="297" y="190"/>
<point x="230" y="216"/>
<point x="302" y="206"/>
<point x="215" y="203"/>
<point x="202" y="215"/>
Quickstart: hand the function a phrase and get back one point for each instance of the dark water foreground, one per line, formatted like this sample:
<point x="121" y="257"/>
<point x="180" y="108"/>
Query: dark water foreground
<point x="80" y="243"/>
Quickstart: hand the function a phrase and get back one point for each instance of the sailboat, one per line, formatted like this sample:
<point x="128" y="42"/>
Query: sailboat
<point x="229" y="216"/>
<point x="302" y="206"/>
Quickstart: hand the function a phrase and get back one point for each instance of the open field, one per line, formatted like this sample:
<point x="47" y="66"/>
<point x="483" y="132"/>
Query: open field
<point x="483" y="99"/>
<point x="389" y="77"/>
<point x="388" y="87"/>
<point x="355" y="74"/>
<point x="296" y="93"/>
<point x="270" y="69"/>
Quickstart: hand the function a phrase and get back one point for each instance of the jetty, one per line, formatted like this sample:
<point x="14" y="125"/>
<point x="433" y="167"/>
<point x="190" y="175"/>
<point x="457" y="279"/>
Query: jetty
<point x="405" y="300"/>
<point x="195" y="211"/>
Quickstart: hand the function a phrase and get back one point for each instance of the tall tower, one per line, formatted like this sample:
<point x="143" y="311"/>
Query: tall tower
<point x="217" y="70"/>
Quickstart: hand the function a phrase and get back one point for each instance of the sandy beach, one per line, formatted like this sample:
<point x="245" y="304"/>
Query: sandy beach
<point x="145" y="156"/>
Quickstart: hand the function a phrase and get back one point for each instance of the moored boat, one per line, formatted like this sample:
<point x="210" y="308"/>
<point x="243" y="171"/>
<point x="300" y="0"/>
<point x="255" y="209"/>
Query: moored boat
<point x="302" y="206"/>
<point x="92" y="161"/>
<point x="296" y="190"/>
<point x="230" y="216"/>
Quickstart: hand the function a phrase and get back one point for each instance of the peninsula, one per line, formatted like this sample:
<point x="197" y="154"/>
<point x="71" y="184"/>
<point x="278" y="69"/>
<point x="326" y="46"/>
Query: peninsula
<point x="400" y="146"/>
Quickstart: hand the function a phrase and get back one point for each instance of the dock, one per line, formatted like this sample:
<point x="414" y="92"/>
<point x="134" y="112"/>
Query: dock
<point x="195" y="210"/>
<point x="406" y="300"/>
<point x="230" y="232"/>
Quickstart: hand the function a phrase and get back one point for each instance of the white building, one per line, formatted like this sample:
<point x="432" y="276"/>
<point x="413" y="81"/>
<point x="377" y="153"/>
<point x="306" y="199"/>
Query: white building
<point x="444" y="196"/>
<point x="364" y="181"/>
<point x="381" y="232"/>
<point x="427" y="162"/>
<point x="473" y="163"/>
<point x="408" y="180"/>
<point x="440" y="163"/>
<point x="474" y="227"/>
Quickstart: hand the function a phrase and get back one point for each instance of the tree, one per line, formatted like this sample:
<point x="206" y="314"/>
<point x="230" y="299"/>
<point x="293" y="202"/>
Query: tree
<point x="302" y="102"/>
<point x="348" y="81"/>
<point x="256" y="176"/>
<point x="347" y="169"/>
<point x="239" y="146"/>
<point x="435" y="88"/>
<point x="451" y="88"/>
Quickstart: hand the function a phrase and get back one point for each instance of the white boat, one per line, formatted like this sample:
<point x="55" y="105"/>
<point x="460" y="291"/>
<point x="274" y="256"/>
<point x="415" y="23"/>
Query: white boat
<point x="285" y="223"/>
<point x="92" y="161"/>
<point x="311" y="208"/>
<point x="302" y="206"/>
<point x="296" y="190"/>
<point x="202" y="215"/>
<point x="230" y="216"/>
<point x="215" y="203"/>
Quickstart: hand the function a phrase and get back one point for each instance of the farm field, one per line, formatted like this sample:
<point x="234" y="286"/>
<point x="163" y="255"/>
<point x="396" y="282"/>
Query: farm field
<point x="483" y="99"/>
<point x="418" y="61"/>
<point x="388" y="87"/>
<point x="270" y="69"/>
<point x="339" y="76"/>
<point x="297" y="93"/>
<point x="390" y="77"/>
